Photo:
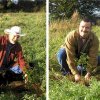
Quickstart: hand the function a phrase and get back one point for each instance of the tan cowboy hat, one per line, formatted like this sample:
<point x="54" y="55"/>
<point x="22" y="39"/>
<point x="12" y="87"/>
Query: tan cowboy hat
<point x="15" y="30"/>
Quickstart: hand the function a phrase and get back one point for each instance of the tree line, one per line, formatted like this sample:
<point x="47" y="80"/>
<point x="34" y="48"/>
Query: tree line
<point x="62" y="9"/>
<point x="7" y="3"/>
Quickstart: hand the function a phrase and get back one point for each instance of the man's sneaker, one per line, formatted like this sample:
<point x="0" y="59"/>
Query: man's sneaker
<point x="65" y="73"/>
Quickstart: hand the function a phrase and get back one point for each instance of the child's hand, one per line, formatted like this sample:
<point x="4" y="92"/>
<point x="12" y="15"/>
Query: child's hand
<point x="26" y="78"/>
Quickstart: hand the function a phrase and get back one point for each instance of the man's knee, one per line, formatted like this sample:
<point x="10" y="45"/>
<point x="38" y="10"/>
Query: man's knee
<point x="16" y="69"/>
<point x="61" y="53"/>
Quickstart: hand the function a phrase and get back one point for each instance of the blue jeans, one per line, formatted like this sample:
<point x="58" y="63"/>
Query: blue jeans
<point x="61" y="57"/>
<point x="11" y="74"/>
<point x="16" y="69"/>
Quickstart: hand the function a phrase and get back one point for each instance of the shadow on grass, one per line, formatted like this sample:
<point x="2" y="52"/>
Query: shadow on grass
<point x="25" y="6"/>
<point x="20" y="93"/>
<point x="38" y="67"/>
<point x="54" y="65"/>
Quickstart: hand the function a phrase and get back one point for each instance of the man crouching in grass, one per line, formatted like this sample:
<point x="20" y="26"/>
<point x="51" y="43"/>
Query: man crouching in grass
<point x="77" y="42"/>
<point x="11" y="57"/>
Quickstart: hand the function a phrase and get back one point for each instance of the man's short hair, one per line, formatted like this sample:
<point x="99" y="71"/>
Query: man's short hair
<point x="87" y="20"/>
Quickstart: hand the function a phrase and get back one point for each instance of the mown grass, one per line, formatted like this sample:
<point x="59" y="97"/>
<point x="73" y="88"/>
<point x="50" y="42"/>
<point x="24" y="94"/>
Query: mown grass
<point x="33" y="45"/>
<point x="63" y="87"/>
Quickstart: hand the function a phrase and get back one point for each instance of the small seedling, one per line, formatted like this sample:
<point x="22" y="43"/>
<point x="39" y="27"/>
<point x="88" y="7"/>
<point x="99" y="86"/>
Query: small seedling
<point x="82" y="61"/>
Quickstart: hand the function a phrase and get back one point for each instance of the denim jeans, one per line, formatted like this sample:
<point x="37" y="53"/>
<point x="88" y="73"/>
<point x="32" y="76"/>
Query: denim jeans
<point x="61" y="57"/>
<point x="11" y="74"/>
<point x="16" y="69"/>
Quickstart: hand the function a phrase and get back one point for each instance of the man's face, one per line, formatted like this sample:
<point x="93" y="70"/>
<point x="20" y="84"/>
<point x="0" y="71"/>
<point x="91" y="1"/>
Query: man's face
<point x="13" y="38"/>
<point x="84" y="29"/>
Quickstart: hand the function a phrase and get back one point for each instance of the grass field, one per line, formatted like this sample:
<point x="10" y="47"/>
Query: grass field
<point x="63" y="87"/>
<point x="33" y="44"/>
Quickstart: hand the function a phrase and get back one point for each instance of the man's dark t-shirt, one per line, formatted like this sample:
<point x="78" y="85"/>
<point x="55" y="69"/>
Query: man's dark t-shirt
<point x="8" y="49"/>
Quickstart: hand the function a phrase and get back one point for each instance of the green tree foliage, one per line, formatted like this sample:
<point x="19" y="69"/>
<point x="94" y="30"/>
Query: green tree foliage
<point x="65" y="8"/>
<point x="62" y="8"/>
<point x="86" y="7"/>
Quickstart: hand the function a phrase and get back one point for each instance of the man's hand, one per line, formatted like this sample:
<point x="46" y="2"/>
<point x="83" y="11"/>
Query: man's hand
<point x="87" y="76"/>
<point x="77" y="77"/>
